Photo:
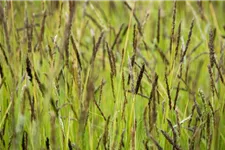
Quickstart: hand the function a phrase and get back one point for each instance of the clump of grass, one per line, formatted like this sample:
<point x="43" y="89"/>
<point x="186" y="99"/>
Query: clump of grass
<point x="54" y="81"/>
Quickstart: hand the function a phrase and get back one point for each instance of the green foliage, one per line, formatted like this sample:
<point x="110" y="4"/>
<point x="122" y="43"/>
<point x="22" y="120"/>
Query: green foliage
<point x="112" y="75"/>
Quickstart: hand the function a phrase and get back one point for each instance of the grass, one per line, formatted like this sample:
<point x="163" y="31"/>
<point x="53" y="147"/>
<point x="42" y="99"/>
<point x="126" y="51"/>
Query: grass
<point x="112" y="75"/>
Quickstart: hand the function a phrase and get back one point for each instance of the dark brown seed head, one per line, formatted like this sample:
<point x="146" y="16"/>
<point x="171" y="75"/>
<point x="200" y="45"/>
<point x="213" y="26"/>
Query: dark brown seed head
<point x="168" y="91"/>
<point x="139" y="78"/>
<point x="211" y="46"/>
<point x="178" y="42"/>
<point x="28" y="68"/>
<point x="188" y="41"/>
<point x="158" y="25"/>
<point x="173" y="26"/>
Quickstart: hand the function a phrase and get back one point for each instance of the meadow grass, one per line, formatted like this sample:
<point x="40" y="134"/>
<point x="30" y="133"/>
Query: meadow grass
<point x="112" y="75"/>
